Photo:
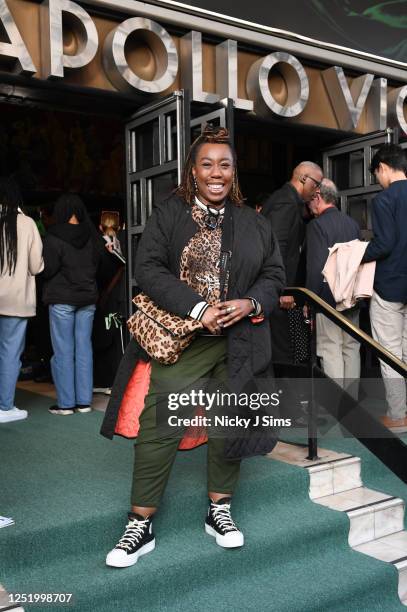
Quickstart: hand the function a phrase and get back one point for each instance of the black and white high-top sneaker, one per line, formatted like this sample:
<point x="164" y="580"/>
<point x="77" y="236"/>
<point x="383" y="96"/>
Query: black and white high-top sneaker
<point x="137" y="540"/>
<point x="220" y="525"/>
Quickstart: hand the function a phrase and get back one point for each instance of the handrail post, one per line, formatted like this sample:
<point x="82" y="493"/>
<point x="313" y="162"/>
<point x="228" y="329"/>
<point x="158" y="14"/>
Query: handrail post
<point x="312" y="428"/>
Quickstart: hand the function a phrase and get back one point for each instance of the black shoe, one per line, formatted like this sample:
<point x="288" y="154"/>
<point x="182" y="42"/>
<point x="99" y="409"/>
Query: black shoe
<point x="220" y="525"/>
<point x="138" y="539"/>
<point x="61" y="411"/>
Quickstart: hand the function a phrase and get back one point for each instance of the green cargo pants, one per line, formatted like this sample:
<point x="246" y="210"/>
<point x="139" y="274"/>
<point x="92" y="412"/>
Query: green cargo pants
<point x="155" y="453"/>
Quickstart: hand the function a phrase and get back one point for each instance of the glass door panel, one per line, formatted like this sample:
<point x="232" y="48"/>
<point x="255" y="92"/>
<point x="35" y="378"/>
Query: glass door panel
<point x="357" y="209"/>
<point x="160" y="187"/>
<point x="348" y="169"/>
<point x="147" y="145"/>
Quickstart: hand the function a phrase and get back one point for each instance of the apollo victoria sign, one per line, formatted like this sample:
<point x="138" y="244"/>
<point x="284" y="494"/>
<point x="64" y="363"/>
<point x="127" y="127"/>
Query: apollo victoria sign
<point x="385" y="108"/>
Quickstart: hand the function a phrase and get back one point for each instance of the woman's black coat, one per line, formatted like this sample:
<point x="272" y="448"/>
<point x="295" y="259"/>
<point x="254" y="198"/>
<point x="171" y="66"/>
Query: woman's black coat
<point x="256" y="271"/>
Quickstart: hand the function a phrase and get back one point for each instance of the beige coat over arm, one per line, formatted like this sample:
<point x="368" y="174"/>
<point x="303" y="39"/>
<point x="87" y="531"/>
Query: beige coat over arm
<point x="349" y="280"/>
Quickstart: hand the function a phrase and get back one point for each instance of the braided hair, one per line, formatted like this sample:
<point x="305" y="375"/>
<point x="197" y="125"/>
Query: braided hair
<point x="212" y="135"/>
<point x="10" y="201"/>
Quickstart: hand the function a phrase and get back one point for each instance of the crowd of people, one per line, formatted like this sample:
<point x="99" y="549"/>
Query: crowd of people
<point x="80" y="270"/>
<point x="204" y="256"/>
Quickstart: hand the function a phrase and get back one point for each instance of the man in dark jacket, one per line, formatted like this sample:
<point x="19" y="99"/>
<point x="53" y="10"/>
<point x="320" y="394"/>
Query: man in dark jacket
<point x="70" y="256"/>
<point x="338" y="351"/>
<point x="286" y="210"/>
<point x="388" y="307"/>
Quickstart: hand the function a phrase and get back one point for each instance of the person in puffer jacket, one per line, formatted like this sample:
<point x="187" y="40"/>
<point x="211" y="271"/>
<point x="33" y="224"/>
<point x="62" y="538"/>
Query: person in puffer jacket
<point x="71" y="252"/>
<point x="181" y="267"/>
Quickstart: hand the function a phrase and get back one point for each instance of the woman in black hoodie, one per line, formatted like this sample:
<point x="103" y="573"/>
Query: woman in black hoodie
<point x="70" y="256"/>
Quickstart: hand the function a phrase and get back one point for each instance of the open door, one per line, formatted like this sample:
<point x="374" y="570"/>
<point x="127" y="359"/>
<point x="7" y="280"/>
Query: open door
<point x="158" y="137"/>
<point x="347" y="164"/>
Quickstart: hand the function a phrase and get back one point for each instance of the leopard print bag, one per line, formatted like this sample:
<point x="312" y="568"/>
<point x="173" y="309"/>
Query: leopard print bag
<point x="161" y="334"/>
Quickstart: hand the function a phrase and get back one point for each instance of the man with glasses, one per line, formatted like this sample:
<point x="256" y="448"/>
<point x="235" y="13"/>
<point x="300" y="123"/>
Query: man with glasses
<point x="338" y="351"/>
<point x="286" y="209"/>
<point x="388" y="306"/>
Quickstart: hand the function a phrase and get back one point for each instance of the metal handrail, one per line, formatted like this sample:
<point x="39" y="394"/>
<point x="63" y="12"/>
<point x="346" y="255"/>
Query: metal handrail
<point x="305" y="295"/>
<point x="387" y="446"/>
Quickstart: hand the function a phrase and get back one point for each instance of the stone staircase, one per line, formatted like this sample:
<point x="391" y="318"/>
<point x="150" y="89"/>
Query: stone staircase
<point x="376" y="519"/>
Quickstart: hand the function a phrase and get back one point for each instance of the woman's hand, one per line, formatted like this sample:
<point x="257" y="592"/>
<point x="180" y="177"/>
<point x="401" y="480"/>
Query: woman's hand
<point x="233" y="310"/>
<point x="210" y="319"/>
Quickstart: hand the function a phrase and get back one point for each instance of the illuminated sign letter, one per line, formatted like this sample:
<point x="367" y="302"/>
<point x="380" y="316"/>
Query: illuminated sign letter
<point x="14" y="50"/>
<point x="295" y="79"/>
<point x="343" y="97"/>
<point x="191" y="68"/>
<point x="161" y="45"/>
<point x="53" y="57"/>
<point x="226" y="74"/>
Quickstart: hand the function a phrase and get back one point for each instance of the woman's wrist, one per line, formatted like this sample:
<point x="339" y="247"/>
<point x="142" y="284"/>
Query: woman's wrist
<point x="256" y="307"/>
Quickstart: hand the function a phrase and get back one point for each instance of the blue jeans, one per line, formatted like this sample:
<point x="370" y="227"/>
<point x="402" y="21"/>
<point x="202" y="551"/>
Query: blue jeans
<point x="72" y="362"/>
<point x="12" y="340"/>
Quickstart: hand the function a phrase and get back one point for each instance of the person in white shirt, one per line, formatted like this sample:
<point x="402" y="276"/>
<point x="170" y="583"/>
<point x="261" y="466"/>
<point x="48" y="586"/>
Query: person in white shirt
<point x="20" y="260"/>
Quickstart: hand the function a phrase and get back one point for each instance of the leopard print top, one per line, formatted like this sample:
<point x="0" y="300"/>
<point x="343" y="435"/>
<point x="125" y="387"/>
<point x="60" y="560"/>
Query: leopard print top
<point x="200" y="259"/>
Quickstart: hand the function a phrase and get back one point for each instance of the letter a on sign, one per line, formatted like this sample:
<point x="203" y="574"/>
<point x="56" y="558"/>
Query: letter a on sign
<point x="347" y="110"/>
<point x="15" y="49"/>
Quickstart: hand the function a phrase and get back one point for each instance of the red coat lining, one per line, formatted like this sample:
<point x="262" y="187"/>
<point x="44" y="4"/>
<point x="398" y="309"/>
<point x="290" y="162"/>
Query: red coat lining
<point x="132" y="405"/>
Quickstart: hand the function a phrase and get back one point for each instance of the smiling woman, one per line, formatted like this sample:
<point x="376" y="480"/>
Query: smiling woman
<point x="205" y="256"/>
<point x="210" y="170"/>
<point x="213" y="173"/>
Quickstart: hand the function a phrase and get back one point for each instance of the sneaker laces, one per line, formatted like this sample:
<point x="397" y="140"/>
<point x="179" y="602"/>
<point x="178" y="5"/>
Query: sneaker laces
<point x="133" y="533"/>
<point x="221" y="515"/>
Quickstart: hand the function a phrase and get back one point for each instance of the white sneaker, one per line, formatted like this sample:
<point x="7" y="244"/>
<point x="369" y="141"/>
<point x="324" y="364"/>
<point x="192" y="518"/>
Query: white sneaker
<point x="100" y="389"/>
<point x="15" y="414"/>
<point x="137" y="540"/>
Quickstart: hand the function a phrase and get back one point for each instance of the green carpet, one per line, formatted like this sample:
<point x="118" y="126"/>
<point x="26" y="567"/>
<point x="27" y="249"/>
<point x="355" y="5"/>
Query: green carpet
<point x="68" y="490"/>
